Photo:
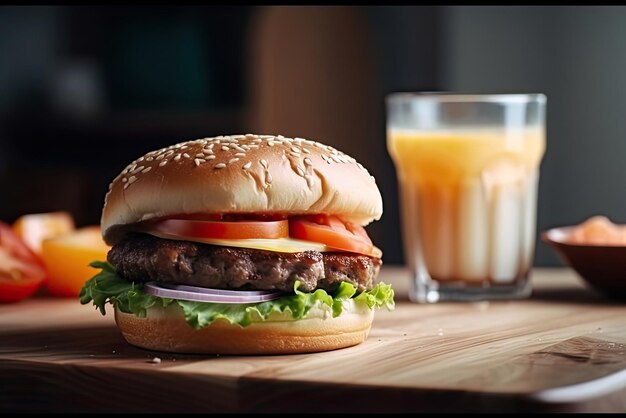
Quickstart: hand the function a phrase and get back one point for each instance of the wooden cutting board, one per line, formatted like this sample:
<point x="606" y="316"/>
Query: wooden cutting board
<point x="563" y="349"/>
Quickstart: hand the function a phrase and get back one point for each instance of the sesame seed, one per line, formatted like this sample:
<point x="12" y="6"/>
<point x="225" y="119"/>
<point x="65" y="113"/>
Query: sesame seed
<point x="146" y="169"/>
<point x="300" y="172"/>
<point x="271" y="143"/>
<point x="247" y="165"/>
<point x="132" y="179"/>
<point x="306" y="151"/>
<point x="268" y="178"/>
<point x="309" y="180"/>
<point x="240" y="154"/>
<point x="198" y="161"/>
<point x="140" y="159"/>
<point x="184" y="147"/>
<point x="294" y="154"/>
<point x="233" y="160"/>
<point x="126" y="186"/>
<point x="199" y="155"/>
<point x="177" y="157"/>
<point x="220" y="165"/>
<point x="162" y="163"/>
<point x="149" y="159"/>
<point x="307" y="161"/>
<point x="263" y="163"/>
<point x="295" y="149"/>
<point x="210" y="146"/>
<point x="160" y="157"/>
<point x="250" y="136"/>
<point x="210" y="157"/>
<point x="253" y="146"/>
<point x="124" y="179"/>
<point x="225" y="148"/>
<point x="186" y="155"/>
<point x="132" y="167"/>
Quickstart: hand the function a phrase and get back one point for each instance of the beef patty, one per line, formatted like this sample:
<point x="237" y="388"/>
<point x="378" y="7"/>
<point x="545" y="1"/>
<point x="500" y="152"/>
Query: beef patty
<point x="143" y="257"/>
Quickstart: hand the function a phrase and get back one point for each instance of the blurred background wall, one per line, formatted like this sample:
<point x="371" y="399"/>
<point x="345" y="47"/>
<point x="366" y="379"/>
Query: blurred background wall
<point x="83" y="90"/>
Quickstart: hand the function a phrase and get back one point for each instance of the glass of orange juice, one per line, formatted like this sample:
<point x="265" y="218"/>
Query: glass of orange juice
<point x="468" y="169"/>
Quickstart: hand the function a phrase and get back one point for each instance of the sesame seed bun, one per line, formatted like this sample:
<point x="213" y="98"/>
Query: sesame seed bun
<point x="240" y="174"/>
<point x="165" y="329"/>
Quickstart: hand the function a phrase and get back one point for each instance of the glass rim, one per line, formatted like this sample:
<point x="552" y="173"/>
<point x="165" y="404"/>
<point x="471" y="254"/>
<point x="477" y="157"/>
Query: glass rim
<point x="459" y="97"/>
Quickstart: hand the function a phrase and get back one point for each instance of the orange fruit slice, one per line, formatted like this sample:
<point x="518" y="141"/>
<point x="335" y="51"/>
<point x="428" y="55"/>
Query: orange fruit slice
<point x="36" y="227"/>
<point x="67" y="258"/>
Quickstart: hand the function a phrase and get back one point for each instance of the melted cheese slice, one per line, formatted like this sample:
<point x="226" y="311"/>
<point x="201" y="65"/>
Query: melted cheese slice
<point x="281" y="245"/>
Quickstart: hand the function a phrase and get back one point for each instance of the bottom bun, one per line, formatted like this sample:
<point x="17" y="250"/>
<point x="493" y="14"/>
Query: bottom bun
<point x="165" y="329"/>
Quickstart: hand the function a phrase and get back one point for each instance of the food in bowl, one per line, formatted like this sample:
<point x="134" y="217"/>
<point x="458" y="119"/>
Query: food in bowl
<point x="596" y="250"/>
<point x="597" y="230"/>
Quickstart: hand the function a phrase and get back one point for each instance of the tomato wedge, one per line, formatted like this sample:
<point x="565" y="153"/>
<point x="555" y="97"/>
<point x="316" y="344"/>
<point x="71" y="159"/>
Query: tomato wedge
<point x="222" y="229"/>
<point x="21" y="271"/>
<point x="333" y="232"/>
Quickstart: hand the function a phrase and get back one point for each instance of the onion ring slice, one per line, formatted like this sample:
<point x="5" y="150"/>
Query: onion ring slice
<point x="203" y="294"/>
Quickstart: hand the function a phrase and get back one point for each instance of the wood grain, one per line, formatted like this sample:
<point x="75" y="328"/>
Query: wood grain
<point x="562" y="349"/>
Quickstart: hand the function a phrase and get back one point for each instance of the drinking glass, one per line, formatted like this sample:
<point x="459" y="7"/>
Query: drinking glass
<point x="468" y="169"/>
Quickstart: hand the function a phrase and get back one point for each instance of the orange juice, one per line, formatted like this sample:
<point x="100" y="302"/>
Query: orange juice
<point x="468" y="200"/>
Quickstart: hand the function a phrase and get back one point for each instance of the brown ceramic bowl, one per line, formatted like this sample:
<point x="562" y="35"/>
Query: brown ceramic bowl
<point x="602" y="266"/>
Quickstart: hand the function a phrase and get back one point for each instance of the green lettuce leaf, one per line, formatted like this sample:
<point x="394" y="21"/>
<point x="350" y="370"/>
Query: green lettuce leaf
<point x="108" y="287"/>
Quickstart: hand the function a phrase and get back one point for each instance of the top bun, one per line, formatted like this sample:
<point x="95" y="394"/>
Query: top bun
<point x="240" y="174"/>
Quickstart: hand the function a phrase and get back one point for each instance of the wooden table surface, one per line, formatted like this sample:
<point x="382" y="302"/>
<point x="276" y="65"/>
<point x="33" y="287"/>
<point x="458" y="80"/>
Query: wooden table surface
<point x="561" y="350"/>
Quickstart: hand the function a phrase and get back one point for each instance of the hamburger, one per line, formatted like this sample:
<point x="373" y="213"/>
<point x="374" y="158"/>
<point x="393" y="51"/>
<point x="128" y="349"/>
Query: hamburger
<point x="244" y="244"/>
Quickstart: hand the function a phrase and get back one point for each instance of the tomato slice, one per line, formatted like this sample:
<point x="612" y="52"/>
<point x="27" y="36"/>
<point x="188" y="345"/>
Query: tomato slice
<point x="333" y="232"/>
<point x="222" y="229"/>
<point x="21" y="270"/>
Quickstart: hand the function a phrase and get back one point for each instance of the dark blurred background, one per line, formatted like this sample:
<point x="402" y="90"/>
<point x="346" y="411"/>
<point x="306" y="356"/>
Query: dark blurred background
<point x="84" y="90"/>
